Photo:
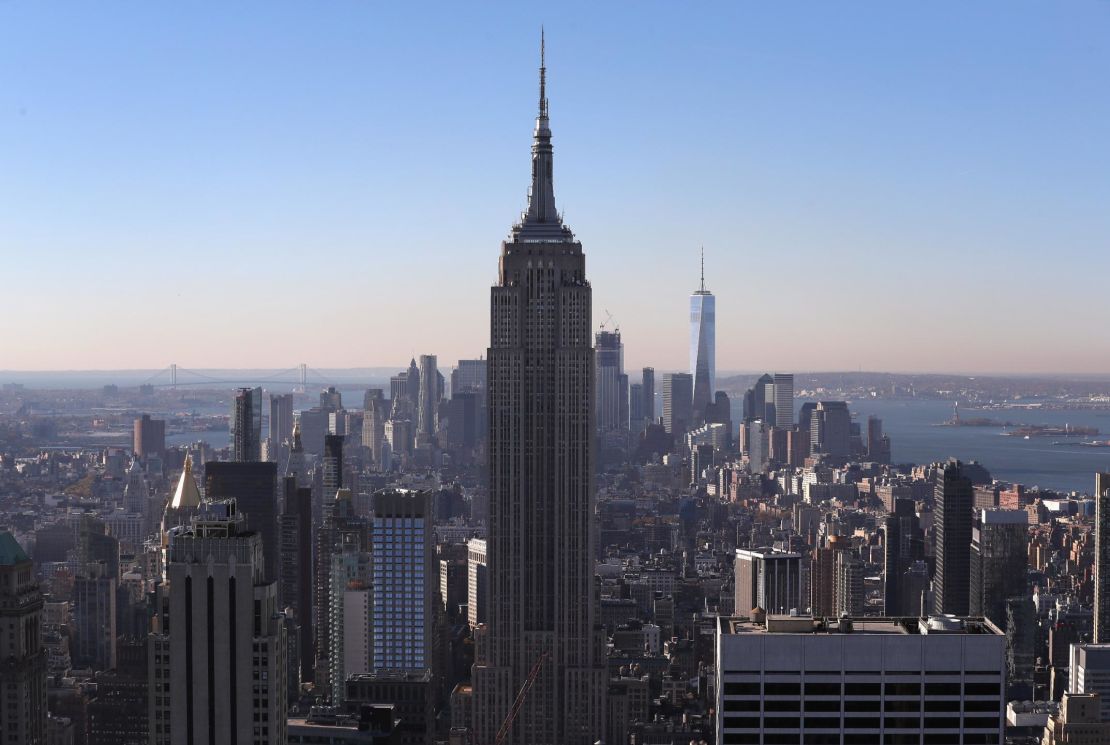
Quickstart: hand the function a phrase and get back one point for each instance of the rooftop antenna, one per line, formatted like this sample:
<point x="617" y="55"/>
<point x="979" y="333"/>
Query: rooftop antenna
<point x="543" y="74"/>
<point x="703" y="268"/>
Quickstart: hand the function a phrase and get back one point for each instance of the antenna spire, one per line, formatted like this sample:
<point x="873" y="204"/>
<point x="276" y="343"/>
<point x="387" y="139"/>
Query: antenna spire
<point x="703" y="268"/>
<point x="543" y="75"/>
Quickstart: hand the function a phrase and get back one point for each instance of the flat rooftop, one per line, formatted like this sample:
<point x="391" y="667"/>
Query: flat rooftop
<point x="804" y="624"/>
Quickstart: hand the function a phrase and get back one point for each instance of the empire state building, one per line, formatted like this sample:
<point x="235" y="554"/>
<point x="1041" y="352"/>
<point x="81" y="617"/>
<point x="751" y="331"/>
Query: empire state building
<point x="543" y="611"/>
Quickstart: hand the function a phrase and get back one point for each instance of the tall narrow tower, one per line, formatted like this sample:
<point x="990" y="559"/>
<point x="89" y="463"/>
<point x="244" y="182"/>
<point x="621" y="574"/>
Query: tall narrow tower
<point x="703" y="341"/>
<point x="543" y="611"/>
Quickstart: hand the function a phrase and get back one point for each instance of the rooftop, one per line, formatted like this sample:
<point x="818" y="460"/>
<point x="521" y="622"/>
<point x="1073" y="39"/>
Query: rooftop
<point x="11" y="553"/>
<point x="803" y="624"/>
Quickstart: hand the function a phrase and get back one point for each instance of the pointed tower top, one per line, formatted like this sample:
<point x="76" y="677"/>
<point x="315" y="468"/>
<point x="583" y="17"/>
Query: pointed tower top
<point x="701" y="288"/>
<point x="543" y="74"/>
<point x="186" y="495"/>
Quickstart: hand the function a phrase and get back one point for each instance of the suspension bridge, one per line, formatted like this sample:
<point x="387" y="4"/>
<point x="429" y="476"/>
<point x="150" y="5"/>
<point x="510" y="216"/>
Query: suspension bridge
<point x="300" y="376"/>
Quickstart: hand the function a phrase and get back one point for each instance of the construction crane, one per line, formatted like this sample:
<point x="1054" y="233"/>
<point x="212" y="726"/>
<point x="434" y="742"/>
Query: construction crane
<point x="610" y="320"/>
<point x="518" y="703"/>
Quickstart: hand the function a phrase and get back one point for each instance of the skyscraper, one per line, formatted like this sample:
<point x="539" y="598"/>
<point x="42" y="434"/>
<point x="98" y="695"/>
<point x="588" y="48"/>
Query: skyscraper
<point x="611" y="383"/>
<point x="784" y="400"/>
<point x="648" y="383"/>
<point x="1102" y="559"/>
<point x="254" y="487"/>
<point x="999" y="562"/>
<point x="703" y="341"/>
<point x="541" y="540"/>
<point x="402" y="616"/>
<point x="767" y="579"/>
<point x="954" y="499"/>
<point x="149" y="436"/>
<point x="246" y="425"/>
<point x="22" y="656"/>
<point x="830" y="428"/>
<point x="903" y="544"/>
<point x="428" y="400"/>
<point x="281" y="424"/>
<point x="220" y="652"/>
<point x="677" y="403"/>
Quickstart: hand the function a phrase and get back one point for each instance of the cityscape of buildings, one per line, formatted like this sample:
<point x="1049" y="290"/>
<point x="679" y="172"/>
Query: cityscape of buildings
<point x="533" y="547"/>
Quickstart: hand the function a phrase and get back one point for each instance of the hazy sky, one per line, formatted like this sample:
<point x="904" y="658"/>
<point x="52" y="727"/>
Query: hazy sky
<point x="886" y="186"/>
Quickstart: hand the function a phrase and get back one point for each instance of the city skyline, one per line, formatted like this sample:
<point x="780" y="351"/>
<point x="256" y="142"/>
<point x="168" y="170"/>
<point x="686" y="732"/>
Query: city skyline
<point x="302" y="158"/>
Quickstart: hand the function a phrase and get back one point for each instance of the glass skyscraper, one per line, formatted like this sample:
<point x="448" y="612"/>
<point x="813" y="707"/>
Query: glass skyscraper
<point x="703" y="333"/>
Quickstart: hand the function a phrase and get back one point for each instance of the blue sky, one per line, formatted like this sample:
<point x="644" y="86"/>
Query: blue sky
<point x="886" y="186"/>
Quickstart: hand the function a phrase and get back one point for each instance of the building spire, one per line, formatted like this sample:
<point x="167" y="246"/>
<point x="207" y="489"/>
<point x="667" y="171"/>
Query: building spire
<point x="543" y="75"/>
<point x="703" y="268"/>
<point x="541" y="197"/>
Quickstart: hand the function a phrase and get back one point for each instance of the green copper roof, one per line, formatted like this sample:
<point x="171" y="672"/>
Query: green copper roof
<point x="10" y="551"/>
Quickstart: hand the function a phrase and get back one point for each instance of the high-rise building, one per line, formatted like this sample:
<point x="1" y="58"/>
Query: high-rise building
<point x="246" y="425"/>
<point x="22" y="655"/>
<point x="220" y="649"/>
<point x="94" y="606"/>
<point x="878" y="444"/>
<point x="541" y="538"/>
<point x="954" y="498"/>
<point x="999" y="562"/>
<point x="648" y="382"/>
<point x="799" y="679"/>
<point x="470" y="376"/>
<point x="149" y="436"/>
<point x="769" y="580"/>
<point x="830" y="429"/>
<point x="759" y="400"/>
<point x="1102" y="559"/>
<point x="253" y="486"/>
<point x="1089" y="672"/>
<point x="611" y="384"/>
<point x="678" y="414"/>
<point x="281" y="424"/>
<point x="351" y="627"/>
<point x="703" y="342"/>
<point x="403" y="607"/>
<point x="477" y="582"/>
<point x="903" y="545"/>
<point x="373" y="429"/>
<point x="295" y="579"/>
<point x="637" y="421"/>
<point x="784" y="400"/>
<point x="428" y="400"/>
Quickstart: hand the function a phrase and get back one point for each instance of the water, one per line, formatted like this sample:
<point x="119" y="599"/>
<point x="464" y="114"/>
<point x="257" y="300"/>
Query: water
<point x="1033" y="462"/>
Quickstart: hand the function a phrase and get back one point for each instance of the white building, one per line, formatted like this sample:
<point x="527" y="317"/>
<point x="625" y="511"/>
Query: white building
<point x="792" y="679"/>
<point x="1089" y="672"/>
<point x="477" y="581"/>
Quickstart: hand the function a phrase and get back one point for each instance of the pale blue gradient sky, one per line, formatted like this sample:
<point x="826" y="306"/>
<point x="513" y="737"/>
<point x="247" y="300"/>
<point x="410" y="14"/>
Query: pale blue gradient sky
<point x="890" y="186"/>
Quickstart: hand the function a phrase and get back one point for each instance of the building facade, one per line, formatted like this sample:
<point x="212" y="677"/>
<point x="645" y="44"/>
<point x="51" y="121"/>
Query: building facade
<point x="543" y="608"/>
<point x="22" y="656"/>
<point x="703" y="342"/>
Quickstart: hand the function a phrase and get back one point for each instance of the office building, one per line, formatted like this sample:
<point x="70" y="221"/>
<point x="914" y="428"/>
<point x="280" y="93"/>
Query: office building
<point x="769" y="580"/>
<point x="246" y="425"/>
<point x="647" y="381"/>
<point x="678" y="391"/>
<point x="295" y="570"/>
<point x="338" y="519"/>
<point x="799" y="679"/>
<point x="611" y="384"/>
<point x="22" y="656"/>
<point x="1102" y="559"/>
<point x="280" y="428"/>
<point x="830" y="428"/>
<point x="477" y="582"/>
<point x="783" y="387"/>
<point x="903" y="546"/>
<point x="952" y="517"/>
<point x="1089" y="672"/>
<point x="220" y="646"/>
<point x="759" y="400"/>
<point x="703" y="341"/>
<point x="149" y="437"/>
<point x="999" y="562"/>
<point x="1077" y="722"/>
<point x="427" y="418"/>
<point x="94" y="613"/>
<point x="541" y="537"/>
<point x="469" y="376"/>
<point x="350" y="624"/>
<point x="403" y="581"/>
<point x="253" y="486"/>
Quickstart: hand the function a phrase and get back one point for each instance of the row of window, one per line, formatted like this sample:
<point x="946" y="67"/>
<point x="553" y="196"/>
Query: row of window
<point x="862" y="689"/>
<point x="861" y="705"/>
<point x="859" y="738"/>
